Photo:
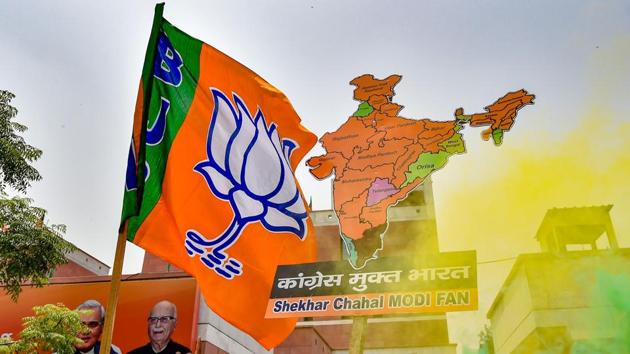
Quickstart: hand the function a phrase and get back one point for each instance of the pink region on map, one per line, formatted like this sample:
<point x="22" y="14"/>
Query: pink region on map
<point x="379" y="190"/>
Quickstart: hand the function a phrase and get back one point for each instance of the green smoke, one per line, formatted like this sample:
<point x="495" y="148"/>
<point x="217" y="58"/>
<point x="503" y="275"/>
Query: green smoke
<point x="614" y="291"/>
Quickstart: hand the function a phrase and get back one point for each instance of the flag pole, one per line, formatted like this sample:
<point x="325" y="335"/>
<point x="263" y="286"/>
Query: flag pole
<point x="112" y="302"/>
<point x="359" y="324"/>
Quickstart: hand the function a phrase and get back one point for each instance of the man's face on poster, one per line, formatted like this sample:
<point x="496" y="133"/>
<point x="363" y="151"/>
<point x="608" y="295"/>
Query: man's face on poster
<point x="95" y="328"/>
<point x="161" y="324"/>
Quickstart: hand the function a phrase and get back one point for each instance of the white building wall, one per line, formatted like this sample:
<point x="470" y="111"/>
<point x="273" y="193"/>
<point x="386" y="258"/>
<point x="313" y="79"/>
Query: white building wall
<point x="213" y="329"/>
<point x="551" y="291"/>
<point x="511" y="324"/>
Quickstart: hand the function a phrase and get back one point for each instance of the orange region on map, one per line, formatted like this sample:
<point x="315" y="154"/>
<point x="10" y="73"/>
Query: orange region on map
<point x="435" y="133"/>
<point x="376" y="101"/>
<point x="368" y="86"/>
<point x="431" y="143"/>
<point x="391" y="109"/>
<point x="379" y="153"/>
<point x="500" y="114"/>
<point x="426" y="132"/>
<point x="376" y="139"/>
<point x="350" y="222"/>
<point x="350" y="135"/>
<point x="323" y="166"/>
<point x="367" y="121"/>
<point x="401" y="128"/>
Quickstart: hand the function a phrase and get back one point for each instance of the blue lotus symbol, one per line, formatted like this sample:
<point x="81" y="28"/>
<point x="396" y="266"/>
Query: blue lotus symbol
<point x="248" y="166"/>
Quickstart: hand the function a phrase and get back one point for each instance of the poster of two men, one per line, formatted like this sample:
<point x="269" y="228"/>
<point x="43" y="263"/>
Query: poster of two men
<point x="153" y="315"/>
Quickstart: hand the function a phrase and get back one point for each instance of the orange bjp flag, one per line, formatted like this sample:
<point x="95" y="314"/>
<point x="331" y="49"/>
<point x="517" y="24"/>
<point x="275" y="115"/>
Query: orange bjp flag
<point x="210" y="186"/>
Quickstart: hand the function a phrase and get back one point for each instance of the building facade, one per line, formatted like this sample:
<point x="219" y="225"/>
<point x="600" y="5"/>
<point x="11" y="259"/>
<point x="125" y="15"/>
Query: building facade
<point x="556" y="301"/>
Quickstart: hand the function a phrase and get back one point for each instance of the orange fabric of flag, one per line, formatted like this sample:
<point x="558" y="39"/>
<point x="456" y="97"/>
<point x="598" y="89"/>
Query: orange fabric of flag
<point x="210" y="185"/>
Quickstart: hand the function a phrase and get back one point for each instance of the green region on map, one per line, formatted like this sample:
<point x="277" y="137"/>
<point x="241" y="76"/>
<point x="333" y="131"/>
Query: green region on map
<point x="427" y="163"/>
<point x="364" y="110"/>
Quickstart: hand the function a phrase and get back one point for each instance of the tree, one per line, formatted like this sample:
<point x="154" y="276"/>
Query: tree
<point x="29" y="249"/>
<point x="52" y="329"/>
<point x="15" y="154"/>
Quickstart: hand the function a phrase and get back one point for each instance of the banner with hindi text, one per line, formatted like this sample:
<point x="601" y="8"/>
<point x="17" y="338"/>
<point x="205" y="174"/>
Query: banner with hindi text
<point x="438" y="283"/>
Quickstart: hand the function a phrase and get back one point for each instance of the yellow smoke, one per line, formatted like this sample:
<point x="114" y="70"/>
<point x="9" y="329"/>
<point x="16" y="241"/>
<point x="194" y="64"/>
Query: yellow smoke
<point x="493" y="199"/>
<point x="498" y="214"/>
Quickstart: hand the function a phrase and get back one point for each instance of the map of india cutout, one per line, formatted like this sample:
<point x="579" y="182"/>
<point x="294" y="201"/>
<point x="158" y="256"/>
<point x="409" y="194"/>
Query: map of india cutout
<point x="378" y="157"/>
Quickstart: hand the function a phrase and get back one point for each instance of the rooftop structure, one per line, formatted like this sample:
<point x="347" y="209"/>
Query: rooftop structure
<point x="563" y="227"/>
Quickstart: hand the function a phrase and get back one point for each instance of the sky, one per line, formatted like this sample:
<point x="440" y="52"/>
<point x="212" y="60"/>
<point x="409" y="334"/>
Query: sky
<point x="74" y="67"/>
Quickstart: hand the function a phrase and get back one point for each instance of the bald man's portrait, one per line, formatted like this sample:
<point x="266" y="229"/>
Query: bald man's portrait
<point x="161" y="324"/>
